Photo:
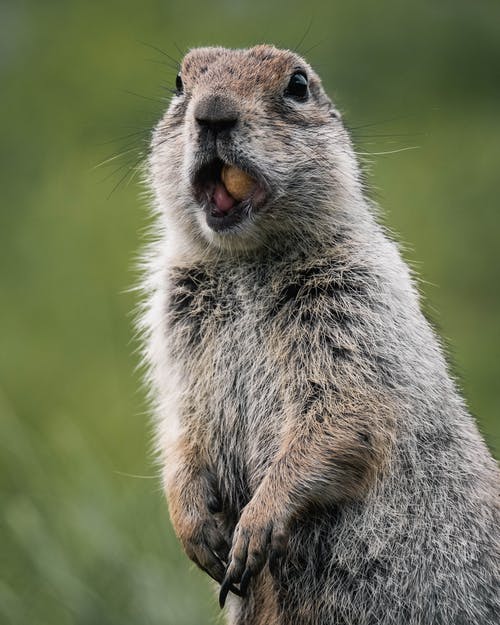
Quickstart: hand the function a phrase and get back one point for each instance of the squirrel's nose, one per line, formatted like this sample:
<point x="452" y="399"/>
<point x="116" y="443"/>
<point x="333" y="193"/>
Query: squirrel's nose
<point x="216" y="113"/>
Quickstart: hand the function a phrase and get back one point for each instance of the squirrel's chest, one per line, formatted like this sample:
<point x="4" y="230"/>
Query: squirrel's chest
<point x="222" y="344"/>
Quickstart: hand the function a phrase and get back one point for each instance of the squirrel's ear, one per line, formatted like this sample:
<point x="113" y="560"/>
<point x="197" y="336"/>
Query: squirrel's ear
<point x="334" y="113"/>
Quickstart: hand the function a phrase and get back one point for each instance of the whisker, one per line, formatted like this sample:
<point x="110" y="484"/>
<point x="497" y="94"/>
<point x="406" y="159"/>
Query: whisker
<point x="141" y="477"/>
<point x="316" y="45"/>
<point x="162" y="63"/>
<point x="390" y="135"/>
<point x="136" y="164"/>
<point x="380" y="122"/>
<point x="115" y="171"/>
<point x="145" y="132"/>
<point x="181" y="52"/>
<point x="411" y="147"/>
<point x="143" y="97"/>
<point x="165" y="54"/>
<point x="308" y="28"/>
<point x="114" y="157"/>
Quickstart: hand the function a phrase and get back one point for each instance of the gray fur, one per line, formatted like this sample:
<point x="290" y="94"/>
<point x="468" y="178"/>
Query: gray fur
<point x="298" y="338"/>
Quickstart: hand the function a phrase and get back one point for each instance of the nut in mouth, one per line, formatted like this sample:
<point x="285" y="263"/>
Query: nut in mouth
<point x="227" y="193"/>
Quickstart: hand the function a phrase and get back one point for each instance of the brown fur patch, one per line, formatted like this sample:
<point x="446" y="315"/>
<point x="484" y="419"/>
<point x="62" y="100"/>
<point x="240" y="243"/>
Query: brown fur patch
<point x="242" y="72"/>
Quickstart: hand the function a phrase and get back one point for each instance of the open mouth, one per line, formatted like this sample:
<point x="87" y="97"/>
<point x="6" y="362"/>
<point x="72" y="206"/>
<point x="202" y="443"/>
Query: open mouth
<point x="227" y="194"/>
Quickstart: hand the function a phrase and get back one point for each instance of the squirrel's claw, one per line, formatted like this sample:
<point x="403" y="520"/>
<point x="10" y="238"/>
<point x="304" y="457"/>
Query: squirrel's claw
<point x="245" y="580"/>
<point x="227" y="586"/>
<point x="252" y="542"/>
<point x="224" y="591"/>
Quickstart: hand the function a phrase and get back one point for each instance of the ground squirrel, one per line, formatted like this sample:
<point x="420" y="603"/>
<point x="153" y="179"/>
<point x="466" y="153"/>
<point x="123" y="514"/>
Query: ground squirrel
<point x="318" y="460"/>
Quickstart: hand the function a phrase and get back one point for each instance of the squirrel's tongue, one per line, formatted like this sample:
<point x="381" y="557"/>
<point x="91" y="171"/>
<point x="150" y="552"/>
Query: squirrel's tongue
<point x="222" y="199"/>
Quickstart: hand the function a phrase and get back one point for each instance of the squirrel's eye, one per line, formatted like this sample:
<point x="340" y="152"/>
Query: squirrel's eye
<point x="179" y="87"/>
<point x="298" y="86"/>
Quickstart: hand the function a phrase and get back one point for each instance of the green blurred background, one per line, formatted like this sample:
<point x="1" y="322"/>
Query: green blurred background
<point x="84" y="531"/>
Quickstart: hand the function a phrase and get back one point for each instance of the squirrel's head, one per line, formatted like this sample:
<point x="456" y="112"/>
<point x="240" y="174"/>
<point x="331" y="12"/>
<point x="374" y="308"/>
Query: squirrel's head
<point x="251" y="150"/>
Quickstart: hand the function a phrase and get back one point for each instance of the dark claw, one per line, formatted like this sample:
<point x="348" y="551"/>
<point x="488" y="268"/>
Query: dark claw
<point x="224" y="590"/>
<point x="245" y="580"/>
<point x="232" y="587"/>
<point x="227" y="586"/>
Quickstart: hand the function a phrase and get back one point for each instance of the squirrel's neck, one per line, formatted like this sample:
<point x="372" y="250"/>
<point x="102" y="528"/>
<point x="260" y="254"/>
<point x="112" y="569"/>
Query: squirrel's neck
<point x="349" y="229"/>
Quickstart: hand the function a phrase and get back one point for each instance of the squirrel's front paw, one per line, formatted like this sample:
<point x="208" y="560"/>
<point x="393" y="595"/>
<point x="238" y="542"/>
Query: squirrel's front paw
<point x="259" y="536"/>
<point x="204" y="543"/>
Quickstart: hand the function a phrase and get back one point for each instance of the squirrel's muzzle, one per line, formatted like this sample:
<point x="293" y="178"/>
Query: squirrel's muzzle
<point x="216" y="114"/>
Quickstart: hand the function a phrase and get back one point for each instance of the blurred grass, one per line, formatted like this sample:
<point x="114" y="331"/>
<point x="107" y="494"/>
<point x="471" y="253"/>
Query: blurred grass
<point x="83" y="541"/>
